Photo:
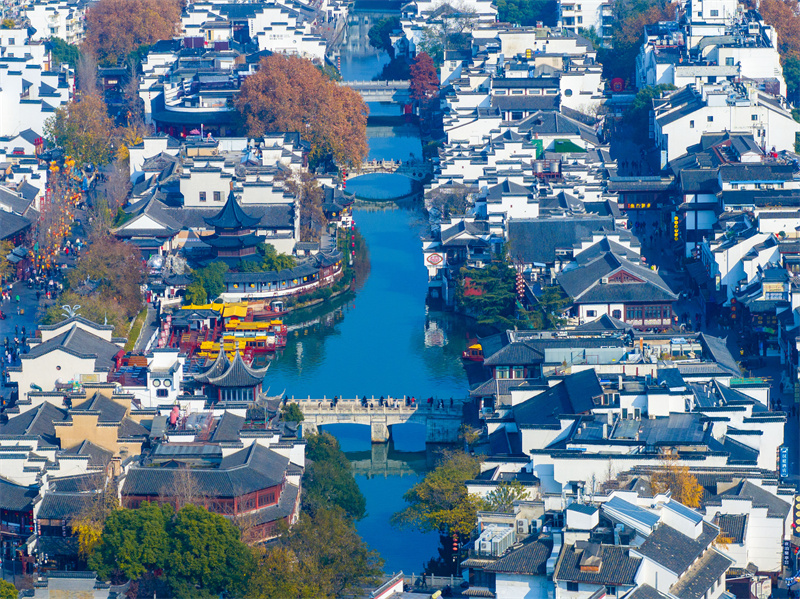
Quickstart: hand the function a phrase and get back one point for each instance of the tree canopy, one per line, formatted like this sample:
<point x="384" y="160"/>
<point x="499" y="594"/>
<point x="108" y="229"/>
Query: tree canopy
<point x="116" y="268"/>
<point x="84" y="130"/>
<point x="207" y="283"/>
<point x="328" y="480"/>
<point x="380" y="34"/>
<point x="292" y="413"/>
<point x="637" y="117"/>
<point x="116" y="28"/>
<point x="63" y="53"/>
<point x="527" y="12"/>
<point x="322" y="556"/>
<point x="424" y="79"/>
<point x="676" y="478"/>
<point x="502" y="498"/>
<point x="289" y="93"/>
<point x="489" y="293"/>
<point x="8" y="590"/>
<point x="199" y="552"/>
<point x="784" y="16"/>
<point x="440" y="502"/>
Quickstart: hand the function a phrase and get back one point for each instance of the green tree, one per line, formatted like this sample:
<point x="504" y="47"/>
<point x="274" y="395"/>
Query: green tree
<point x="546" y="314"/>
<point x="6" y="268"/>
<point x="281" y="574"/>
<point x="206" y="556"/>
<point x="63" y="53"/>
<point x="440" y="502"/>
<point x="630" y="17"/>
<point x="8" y="590"/>
<point x="328" y="481"/>
<point x="211" y="279"/>
<point x="321" y="557"/>
<point x="502" y="498"/>
<point x="489" y="293"/>
<point x="8" y="24"/>
<point x="133" y="542"/>
<point x="527" y="12"/>
<point x="92" y="307"/>
<point x="196" y="294"/>
<point x="380" y="34"/>
<point x="293" y="413"/>
<point x="791" y="73"/>
<point x="637" y="117"/>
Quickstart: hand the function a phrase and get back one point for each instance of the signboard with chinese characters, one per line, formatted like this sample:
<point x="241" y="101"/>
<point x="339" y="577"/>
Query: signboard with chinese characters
<point x="434" y="259"/>
<point x="784" y="461"/>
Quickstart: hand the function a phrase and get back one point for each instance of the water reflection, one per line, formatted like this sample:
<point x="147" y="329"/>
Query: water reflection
<point x="394" y="142"/>
<point x="377" y="342"/>
<point x="384" y="472"/>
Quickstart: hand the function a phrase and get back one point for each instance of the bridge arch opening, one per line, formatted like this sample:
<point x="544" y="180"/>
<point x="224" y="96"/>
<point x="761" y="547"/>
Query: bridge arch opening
<point x="352" y="437"/>
<point x="381" y="186"/>
<point x="408" y="436"/>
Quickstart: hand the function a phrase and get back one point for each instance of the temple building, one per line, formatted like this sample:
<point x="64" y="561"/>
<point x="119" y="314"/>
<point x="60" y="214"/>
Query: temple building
<point x="234" y="236"/>
<point x="231" y="381"/>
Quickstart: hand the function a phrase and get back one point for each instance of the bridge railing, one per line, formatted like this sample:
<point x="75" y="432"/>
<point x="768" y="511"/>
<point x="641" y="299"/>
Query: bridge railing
<point x="392" y="405"/>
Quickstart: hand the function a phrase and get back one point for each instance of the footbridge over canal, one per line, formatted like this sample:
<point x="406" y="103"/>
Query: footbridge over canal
<point x="396" y="92"/>
<point x="441" y="424"/>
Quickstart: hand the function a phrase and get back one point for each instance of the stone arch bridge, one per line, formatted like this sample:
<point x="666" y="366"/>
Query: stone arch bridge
<point x="441" y="424"/>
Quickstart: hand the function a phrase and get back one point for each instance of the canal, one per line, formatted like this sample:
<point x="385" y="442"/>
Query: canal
<point x="381" y="340"/>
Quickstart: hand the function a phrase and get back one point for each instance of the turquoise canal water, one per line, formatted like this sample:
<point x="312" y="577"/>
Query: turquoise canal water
<point x="380" y="340"/>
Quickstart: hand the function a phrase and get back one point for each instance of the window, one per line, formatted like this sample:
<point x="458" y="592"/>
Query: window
<point x="580" y="19"/>
<point x="611" y="590"/>
<point x="591" y="313"/>
<point x="568" y="92"/>
<point x="162" y="392"/>
<point x="729" y="61"/>
<point x="217" y="196"/>
<point x="691" y="124"/>
<point x="502" y="372"/>
<point x="753" y="117"/>
<point x="11" y="41"/>
<point x="617" y="314"/>
<point x="516" y="116"/>
<point x="631" y="313"/>
<point x="202" y="196"/>
<point x="714" y="13"/>
<point x="517" y="92"/>
<point x="710" y="119"/>
<point x="519" y="372"/>
<point x="572" y="587"/>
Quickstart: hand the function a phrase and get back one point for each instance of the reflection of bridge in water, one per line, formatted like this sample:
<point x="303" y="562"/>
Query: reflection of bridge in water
<point x="441" y="423"/>
<point x="382" y="460"/>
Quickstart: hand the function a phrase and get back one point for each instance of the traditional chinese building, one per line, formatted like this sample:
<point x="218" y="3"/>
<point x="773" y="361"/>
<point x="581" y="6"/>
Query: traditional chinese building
<point x="231" y="381"/>
<point x="234" y="234"/>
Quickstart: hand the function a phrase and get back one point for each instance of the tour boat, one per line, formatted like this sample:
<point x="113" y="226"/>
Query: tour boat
<point x="474" y="353"/>
<point x="248" y="338"/>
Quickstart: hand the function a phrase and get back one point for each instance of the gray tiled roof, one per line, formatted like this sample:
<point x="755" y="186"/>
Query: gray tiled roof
<point x="530" y="559"/>
<point x="674" y="550"/>
<point x="37" y="422"/>
<point x="701" y="576"/>
<point x="645" y="591"/>
<point x="110" y="411"/>
<point x="15" y="497"/>
<point x="64" y="506"/>
<point x="776" y="507"/>
<point x="251" y="469"/>
<point x="239" y="374"/>
<point x="514" y="354"/>
<point x="536" y="240"/>
<point x="617" y="566"/>
<point x="732" y="526"/>
<point x="81" y="343"/>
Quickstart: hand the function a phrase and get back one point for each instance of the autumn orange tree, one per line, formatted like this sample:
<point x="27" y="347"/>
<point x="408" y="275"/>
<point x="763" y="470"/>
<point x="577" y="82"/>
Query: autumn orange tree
<point x="784" y="16"/>
<point x="424" y="79"/>
<point x="676" y="478"/>
<point x="84" y="130"/>
<point x="289" y="93"/>
<point x="116" y="28"/>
